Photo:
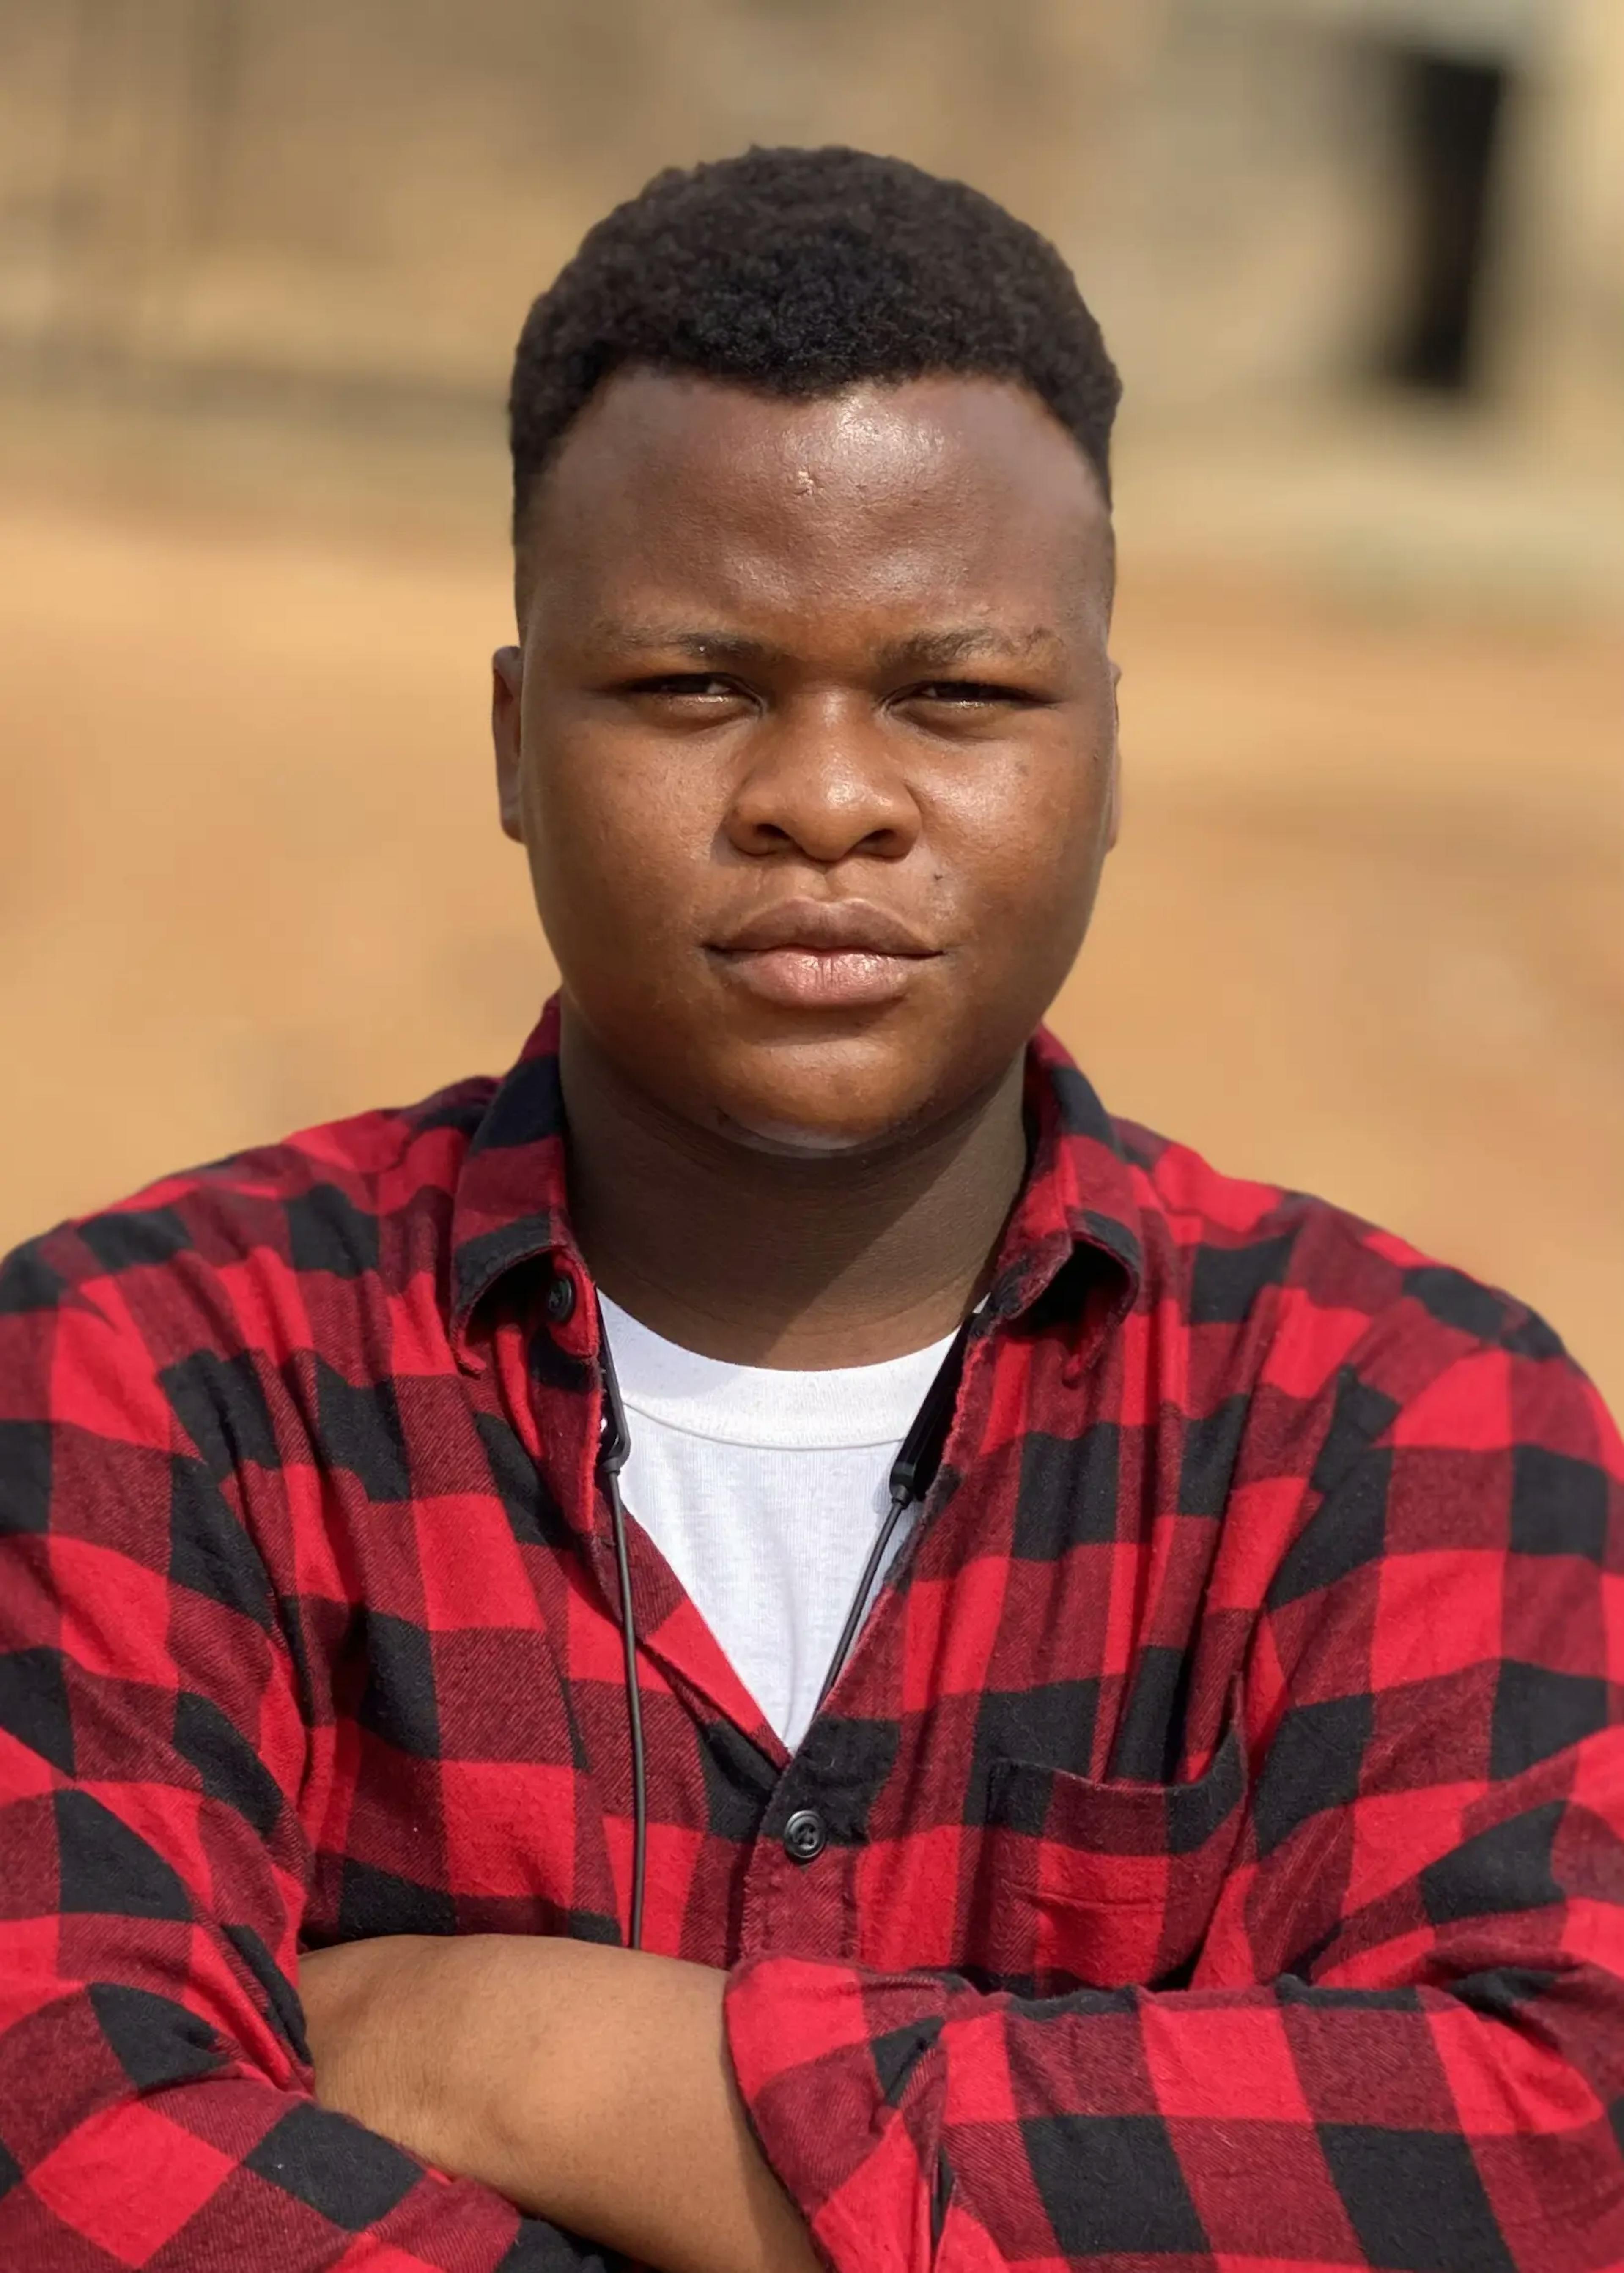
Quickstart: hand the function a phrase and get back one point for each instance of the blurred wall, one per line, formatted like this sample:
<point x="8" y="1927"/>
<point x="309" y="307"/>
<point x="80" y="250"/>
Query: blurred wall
<point x="261" y="263"/>
<point x="365" y="190"/>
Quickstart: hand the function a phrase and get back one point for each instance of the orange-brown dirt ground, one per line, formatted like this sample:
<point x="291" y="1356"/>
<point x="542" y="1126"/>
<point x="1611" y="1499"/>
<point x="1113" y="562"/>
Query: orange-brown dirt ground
<point x="1363" y="933"/>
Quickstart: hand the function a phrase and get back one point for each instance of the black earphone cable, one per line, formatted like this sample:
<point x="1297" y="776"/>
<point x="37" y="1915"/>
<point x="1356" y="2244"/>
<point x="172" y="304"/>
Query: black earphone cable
<point x="613" y="1446"/>
<point x="911" y="1473"/>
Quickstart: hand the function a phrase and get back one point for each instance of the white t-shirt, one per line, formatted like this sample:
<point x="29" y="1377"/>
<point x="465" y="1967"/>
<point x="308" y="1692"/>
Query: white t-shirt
<point x="765" y="1490"/>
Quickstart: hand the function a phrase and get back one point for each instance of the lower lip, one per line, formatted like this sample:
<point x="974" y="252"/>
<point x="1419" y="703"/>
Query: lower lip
<point x="808" y="978"/>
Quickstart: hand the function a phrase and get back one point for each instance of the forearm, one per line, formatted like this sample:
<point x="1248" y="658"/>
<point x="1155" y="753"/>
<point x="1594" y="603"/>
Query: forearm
<point x="591" y="2086"/>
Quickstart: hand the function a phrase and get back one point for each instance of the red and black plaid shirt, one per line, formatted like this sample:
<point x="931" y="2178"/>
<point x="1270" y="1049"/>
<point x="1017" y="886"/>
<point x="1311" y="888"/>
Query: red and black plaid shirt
<point x="1215" y="1849"/>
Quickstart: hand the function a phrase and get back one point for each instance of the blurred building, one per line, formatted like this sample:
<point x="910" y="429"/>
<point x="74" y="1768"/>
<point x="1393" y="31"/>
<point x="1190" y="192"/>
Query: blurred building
<point x="1289" y="198"/>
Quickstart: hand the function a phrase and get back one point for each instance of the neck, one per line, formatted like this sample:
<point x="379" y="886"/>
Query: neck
<point x="765" y="1259"/>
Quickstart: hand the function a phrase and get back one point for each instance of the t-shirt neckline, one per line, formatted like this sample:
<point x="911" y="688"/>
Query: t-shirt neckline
<point x="833" y="1408"/>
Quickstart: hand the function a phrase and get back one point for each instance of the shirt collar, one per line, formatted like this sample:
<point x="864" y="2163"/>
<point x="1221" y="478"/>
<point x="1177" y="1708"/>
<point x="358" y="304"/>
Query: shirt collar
<point x="511" y="1203"/>
<point x="1078" y="1196"/>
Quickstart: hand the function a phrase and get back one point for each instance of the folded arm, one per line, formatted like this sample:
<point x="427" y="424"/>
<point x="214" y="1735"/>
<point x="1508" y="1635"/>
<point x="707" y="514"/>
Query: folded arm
<point x="1402" y="2044"/>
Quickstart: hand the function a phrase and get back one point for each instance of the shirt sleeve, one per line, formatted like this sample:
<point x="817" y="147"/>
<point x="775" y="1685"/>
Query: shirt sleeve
<point x="1401" y="2044"/>
<point x="155" y="2102"/>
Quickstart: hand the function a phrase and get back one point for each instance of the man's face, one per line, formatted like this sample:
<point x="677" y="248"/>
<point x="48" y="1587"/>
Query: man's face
<point x="811" y="743"/>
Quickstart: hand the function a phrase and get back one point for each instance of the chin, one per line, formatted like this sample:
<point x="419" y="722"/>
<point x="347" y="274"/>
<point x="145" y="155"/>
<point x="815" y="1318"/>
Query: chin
<point x="797" y="1139"/>
<point x="839" y="1099"/>
<point x="825" y="1100"/>
<point x="815" y="1121"/>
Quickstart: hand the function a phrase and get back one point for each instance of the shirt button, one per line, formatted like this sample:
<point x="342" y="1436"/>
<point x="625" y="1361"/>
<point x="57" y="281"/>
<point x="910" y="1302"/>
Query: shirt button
<point x="561" y="1298"/>
<point x="805" y="1836"/>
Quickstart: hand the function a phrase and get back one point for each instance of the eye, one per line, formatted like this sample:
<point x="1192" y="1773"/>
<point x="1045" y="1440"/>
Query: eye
<point x="968" y="694"/>
<point x="687" y="686"/>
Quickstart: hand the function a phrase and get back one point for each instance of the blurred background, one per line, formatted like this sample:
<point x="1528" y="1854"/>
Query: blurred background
<point x="262" y="267"/>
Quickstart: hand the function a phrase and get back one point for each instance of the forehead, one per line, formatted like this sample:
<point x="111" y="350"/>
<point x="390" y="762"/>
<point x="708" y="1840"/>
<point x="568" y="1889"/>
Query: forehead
<point x="949" y="492"/>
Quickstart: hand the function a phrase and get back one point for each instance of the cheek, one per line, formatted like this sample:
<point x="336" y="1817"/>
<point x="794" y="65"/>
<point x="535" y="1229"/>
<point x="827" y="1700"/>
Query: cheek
<point x="1033" y="835"/>
<point x="612" y="834"/>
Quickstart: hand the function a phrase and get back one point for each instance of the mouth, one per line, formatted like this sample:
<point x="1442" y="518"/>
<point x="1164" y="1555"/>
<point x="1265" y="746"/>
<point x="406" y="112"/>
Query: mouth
<point x="823" y="955"/>
<point x="817" y="978"/>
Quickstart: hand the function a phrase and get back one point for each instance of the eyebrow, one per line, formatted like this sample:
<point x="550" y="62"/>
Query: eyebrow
<point x="923" y="651"/>
<point x="940" y="650"/>
<point x="699" y="645"/>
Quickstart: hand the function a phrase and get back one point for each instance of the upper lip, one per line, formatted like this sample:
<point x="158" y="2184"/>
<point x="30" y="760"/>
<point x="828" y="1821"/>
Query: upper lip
<point x="825" y="926"/>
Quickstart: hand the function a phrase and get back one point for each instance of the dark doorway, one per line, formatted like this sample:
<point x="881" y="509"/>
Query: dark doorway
<point x="1451" y="118"/>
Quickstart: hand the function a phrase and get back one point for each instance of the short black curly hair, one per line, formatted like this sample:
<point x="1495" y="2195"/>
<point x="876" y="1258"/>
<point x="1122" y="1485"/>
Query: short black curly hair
<point x="800" y="273"/>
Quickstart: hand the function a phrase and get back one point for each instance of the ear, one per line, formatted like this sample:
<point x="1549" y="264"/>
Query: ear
<point x="1113" y="817"/>
<point x="507" y="688"/>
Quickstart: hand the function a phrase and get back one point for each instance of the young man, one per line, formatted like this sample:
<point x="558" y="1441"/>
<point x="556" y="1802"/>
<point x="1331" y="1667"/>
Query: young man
<point x="1164" y="1805"/>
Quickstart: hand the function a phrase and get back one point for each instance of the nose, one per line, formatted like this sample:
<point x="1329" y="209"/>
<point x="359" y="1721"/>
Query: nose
<point x="822" y="782"/>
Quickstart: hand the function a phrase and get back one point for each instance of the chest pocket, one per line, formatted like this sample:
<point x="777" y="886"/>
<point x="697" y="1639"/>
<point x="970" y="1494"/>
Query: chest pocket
<point x="1088" y="1885"/>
